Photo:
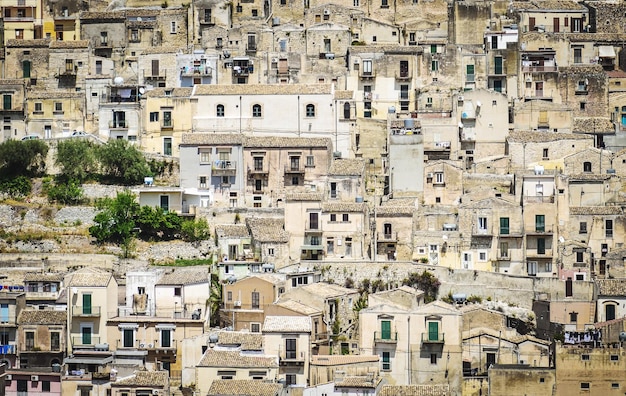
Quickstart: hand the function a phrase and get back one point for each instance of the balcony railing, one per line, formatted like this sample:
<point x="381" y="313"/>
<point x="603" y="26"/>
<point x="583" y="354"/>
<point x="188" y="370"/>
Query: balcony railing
<point x="224" y="167"/>
<point x="533" y="69"/>
<point x="539" y="199"/>
<point x="258" y="170"/>
<point x="293" y="168"/>
<point x="313" y="227"/>
<point x="85" y="311"/>
<point x="367" y="96"/>
<point x="85" y="341"/>
<point x="122" y="124"/>
<point x="296" y="357"/>
<point x="403" y="75"/>
<point x="386" y="337"/>
<point x="367" y="74"/>
<point x="194" y="71"/>
<point x="7" y="349"/>
<point x="387" y="236"/>
<point x="432" y="338"/>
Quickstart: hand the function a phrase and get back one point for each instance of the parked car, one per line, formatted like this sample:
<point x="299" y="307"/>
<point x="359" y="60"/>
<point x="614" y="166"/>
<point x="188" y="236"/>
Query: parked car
<point x="31" y="137"/>
<point x="79" y="133"/>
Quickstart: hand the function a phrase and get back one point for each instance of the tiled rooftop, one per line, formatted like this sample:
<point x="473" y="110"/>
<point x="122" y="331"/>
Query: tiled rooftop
<point x="16" y="43"/>
<point x="151" y="379"/>
<point x="69" y="44"/>
<point x="212" y="139"/>
<point x="595" y="210"/>
<point x="246" y="341"/>
<point x="263" y="89"/>
<point x="287" y="324"/>
<point x="298" y="306"/>
<point x="342" y="360"/>
<point x="385" y="49"/>
<point x="43" y="277"/>
<point x="337" y="207"/>
<point x="596" y="125"/>
<point x="344" y="95"/>
<point x="552" y="5"/>
<point x="358" y="381"/>
<point x="540" y="137"/>
<point x="173" y="92"/>
<point x="347" y="167"/>
<point x="611" y="287"/>
<point x="90" y="277"/>
<point x="415" y="390"/>
<point x="43" y="317"/>
<point x="232" y="230"/>
<point x="312" y="196"/>
<point x="268" y="230"/>
<point x="185" y="276"/>
<point x="41" y="94"/>
<point x="395" y="210"/>
<point x="221" y="387"/>
<point x="253" y="142"/>
<point x="227" y="359"/>
<point x="327" y="290"/>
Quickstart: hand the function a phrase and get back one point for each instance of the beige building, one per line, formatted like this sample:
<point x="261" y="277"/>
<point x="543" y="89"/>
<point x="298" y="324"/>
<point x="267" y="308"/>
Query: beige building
<point x="149" y="382"/>
<point x="41" y="337"/>
<point x="182" y="293"/>
<point x="521" y="380"/>
<point x="289" y="338"/>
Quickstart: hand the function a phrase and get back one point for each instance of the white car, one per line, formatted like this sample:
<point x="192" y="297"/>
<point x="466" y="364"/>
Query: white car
<point x="31" y="137"/>
<point x="79" y="133"/>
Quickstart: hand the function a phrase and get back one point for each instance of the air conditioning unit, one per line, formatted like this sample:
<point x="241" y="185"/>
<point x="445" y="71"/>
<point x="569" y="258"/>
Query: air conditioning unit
<point x="529" y="79"/>
<point x="461" y="98"/>
<point x="429" y="175"/>
<point x="330" y="55"/>
<point x="237" y="303"/>
<point x="274" y="60"/>
<point x="142" y="346"/>
<point x="326" y="12"/>
<point x="34" y="378"/>
<point x="150" y="345"/>
<point x="8" y="377"/>
<point x="155" y="391"/>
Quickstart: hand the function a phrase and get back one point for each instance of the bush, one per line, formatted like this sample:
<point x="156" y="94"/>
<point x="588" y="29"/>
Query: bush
<point x="66" y="194"/>
<point x="195" y="230"/>
<point x="474" y="299"/>
<point x="16" y="187"/>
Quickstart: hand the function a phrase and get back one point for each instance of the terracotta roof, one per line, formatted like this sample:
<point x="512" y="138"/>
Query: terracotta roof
<point x="159" y="50"/>
<point x="90" y="277"/>
<point x="227" y="359"/>
<point x="185" y="276"/>
<point x="11" y="81"/>
<point x="275" y="141"/>
<point x="212" y="139"/>
<point x="616" y="74"/>
<point x="394" y="210"/>
<point x="594" y="125"/>
<point x="173" y="92"/>
<point x="42" y="43"/>
<point x="85" y="16"/>
<point x="245" y="340"/>
<point x="41" y="94"/>
<point x="232" y="230"/>
<point x="611" y="287"/>
<point x="297" y="306"/>
<point x="589" y="177"/>
<point x="358" y="382"/>
<point x="62" y="44"/>
<point x="263" y="89"/>
<point x="287" y="324"/>
<point x="304" y="196"/>
<point x="385" y="49"/>
<point x="268" y="230"/>
<point x="341" y="360"/>
<point x="327" y="290"/>
<point x="344" y="207"/>
<point x="43" y="277"/>
<point x="415" y="390"/>
<point x="152" y="379"/>
<point x="43" y="317"/>
<point x="595" y="210"/>
<point x="221" y="387"/>
<point x="540" y="137"/>
<point x="347" y="167"/>
<point x="552" y="5"/>
<point x="513" y="338"/>
<point x="344" y="95"/>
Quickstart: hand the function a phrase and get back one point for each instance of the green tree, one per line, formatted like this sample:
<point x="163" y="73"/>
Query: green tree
<point x="156" y="224"/>
<point x="23" y="158"/>
<point x="77" y="159"/>
<point x="122" y="163"/>
<point x="426" y="281"/>
<point x="15" y="187"/>
<point x="214" y="300"/>
<point x="115" y="222"/>
<point x="68" y="193"/>
<point x="195" y="230"/>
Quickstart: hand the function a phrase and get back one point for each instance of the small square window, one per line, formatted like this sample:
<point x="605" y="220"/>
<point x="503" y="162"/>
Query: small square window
<point x="615" y="385"/>
<point x="583" y="105"/>
<point x="345" y="217"/>
<point x="542" y="380"/>
<point x="585" y="385"/>
<point x="177" y="291"/>
<point x="584" y="357"/>
<point x="614" y="358"/>
<point x="333" y="217"/>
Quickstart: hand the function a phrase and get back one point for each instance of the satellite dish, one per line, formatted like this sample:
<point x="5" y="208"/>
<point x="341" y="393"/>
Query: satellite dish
<point x="561" y="239"/>
<point x="118" y="80"/>
<point x="139" y="19"/>
<point x="142" y="90"/>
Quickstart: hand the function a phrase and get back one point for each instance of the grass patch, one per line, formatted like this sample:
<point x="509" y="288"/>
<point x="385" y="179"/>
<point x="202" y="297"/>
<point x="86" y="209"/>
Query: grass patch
<point x="185" y="263"/>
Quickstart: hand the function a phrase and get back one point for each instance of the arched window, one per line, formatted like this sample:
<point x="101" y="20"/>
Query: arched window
<point x="346" y="110"/>
<point x="310" y="110"/>
<point x="256" y="111"/>
<point x="220" y="110"/>
<point x="586" y="166"/>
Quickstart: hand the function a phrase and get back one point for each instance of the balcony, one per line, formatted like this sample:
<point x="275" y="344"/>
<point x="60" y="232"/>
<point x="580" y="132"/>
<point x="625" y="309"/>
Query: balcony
<point x="79" y="311"/>
<point x="241" y="71"/>
<point x="261" y="170"/>
<point x="196" y="71"/>
<point x="167" y="125"/>
<point x="315" y="227"/>
<point x="367" y="96"/>
<point x="294" y="168"/>
<point x="291" y="358"/>
<point x="224" y="168"/>
<point x="433" y="338"/>
<point x="545" y="230"/>
<point x="251" y="48"/>
<point x="7" y="349"/>
<point x="404" y="97"/>
<point x="537" y="69"/>
<point x="367" y="75"/>
<point x="68" y="71"/>
<point x="118" y="125"/>
<point x="504" y="255"/>
<point x="539" y="199"/>
<point x="403" y="76"/>
<point x="478" y="231"/>
<point x="207" y="21"/>
<point x="41" y="295"/>
<point x="470" y="78"/>
<point x="85" y="341"/>
<point x="387" y="237"/>
<point x="383" y="337"/>
<point x="539" y="253"/>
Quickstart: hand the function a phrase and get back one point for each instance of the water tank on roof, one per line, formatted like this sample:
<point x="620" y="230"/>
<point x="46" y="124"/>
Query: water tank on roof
<point x="459" y="298"/>
<point x="409" y="123"/>
<point x="622" y="336"/>
<point x="358" y="199"/>
<point x="391" y="110"/>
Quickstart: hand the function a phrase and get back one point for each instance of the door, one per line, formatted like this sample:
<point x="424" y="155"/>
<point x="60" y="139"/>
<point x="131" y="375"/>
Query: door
<point x="491" y="360"/>
<point x="313" y="221"/>
<point x="155" y="67"/>
<point x="531" y="24"/>
<point x="26" y="69"/>
<point x="47" y="131"/>
<point x="404" y="69"/>
<point x="504" y="225"/>
<point x="86" y="304"/>
<point x="7" y="102"/>
<point x="497" y="65"/>
<point x="609" y="312"/>
<point x="385" y="330"/>
<point x="86" y="335"/>
<point x="555" y="25"/>
<point x="129" y="338"/>
<point x="541" y="246"/>
<point x="497" y="85"/>
<point x="167" y="146"/>
<point x="165" y="202"/>
<point x="539" y="89"/>
<point x="433" y="331"/>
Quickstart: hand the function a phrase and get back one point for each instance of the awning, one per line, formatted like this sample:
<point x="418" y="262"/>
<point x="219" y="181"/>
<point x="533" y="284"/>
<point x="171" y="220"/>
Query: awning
<point x="88" y="360"/>
<point x="606" y="51"/>
<point x="241" y="58"/>
<point x="165" y="326"/>
<point x="128" y="326"/>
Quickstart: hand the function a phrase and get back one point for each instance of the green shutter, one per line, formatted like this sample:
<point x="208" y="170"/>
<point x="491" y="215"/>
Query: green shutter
<point x="498" y="65"/>
<point x="7" y="102"/>
<point x="504" y="225"/>
<point x="541" y="246"/>
<point x="86" y="304"/>
<point x="540" y="223"/>
<point x="385" y="330"/>
<point x="433" y="331"/>
<point x="26" y="69"/>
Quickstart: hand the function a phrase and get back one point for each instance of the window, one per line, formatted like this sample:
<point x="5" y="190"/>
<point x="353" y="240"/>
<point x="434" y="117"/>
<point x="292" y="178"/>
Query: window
<point x="482" y="223"/>
<point x="568" y="287"/>
<point x="439" y="178"/>
<point x="128" y="338"/>
<point x="433" y="358"/>
<point x="166" y="338"/>
<point x="256" y="111"/>
<point x="330" y="246"/>
<point x="310" y="161"/>
<point x="384" y="4"/>
<point x="583" y="105"/>
<point x="385" y="330"/>
<point x="504" y="249"/>
<point x="386" y="361"/>
<point x="584" y="356"/>
<point x="58" y="107"/>
<point x="167" y="119"/>
<point x="579" y="257"/>
<point x="7" y="101"/>
<point x="154" y="116"/>
<point x="582" y="227"/>
<point x="540" y="223"/>
<point x="504" y="226"/>
<point x="586" y="166"/>
<point x="614" y="385"/>
<point x="584" y="386"/>
<point x="207" y="15"/>
<point x="229" y="295"/>
<point x="345" y="217"/>
<point x="177" y="291"/>
<point x="219" y="111"/>
<point x="541" y="246"/>
<point x="482" y="256"/>
<point x="55" y="341"/>
<point x="367" y="70"/>
<point x="30" y="340"/>
<point x="310" y="110"/>
<point x="433" y="331"/>
<point x="614" y="358"/>
<point x="255" y="300"/>
<point x="434" y="65"/>
<point x="290" y="379"/>
<point x="45" y="386"/>
<point x="608" y="228"/>
<point x="255" y="327"/>
<point x="290" y="348"/>
<point x="531" y="268"/>
<point x="167" y="146"/>
<point x="26" y="66"/>
<point x="173" y="27"/>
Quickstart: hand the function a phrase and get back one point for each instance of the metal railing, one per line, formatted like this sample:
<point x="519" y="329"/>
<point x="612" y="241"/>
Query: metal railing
<point x="78" y="310"/>
<point x="383" y="336"/>
<point x="85" y="341"/>
<point x="433" y="338"/>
